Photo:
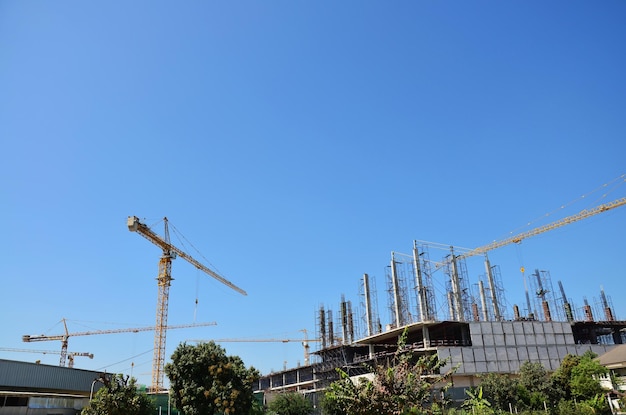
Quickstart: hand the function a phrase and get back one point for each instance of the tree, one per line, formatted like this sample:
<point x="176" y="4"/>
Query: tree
<point x="578" y="379"/>
<point x="584" y="382"/>
<point x="408" y="384"/>
<point x="500" y="390"/>
<point x="204" y="380"/>
<point x="404" y="386"/>
<point x="119" y="396"/>
<point x="534" y="377"/>
<point x="534" y="385"/>
<point x="561" y="378"/>
<point x="257" y="408"/>
<point x="291" y="403"/>
<point x="476" y="403"/>
<point x="346" y="396"/>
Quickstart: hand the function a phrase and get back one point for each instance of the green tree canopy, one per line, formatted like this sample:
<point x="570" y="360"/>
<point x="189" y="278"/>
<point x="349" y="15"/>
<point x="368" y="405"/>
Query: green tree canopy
<point x="476" y="402"/>
<point x="534" y="377"/>
<point x="500" y="390"/>
<point x="119" y="396"/>
<point x="346" y="396"/>
<point x="561" y="378"/>
<point x="534" y="385"/>
<point x="585" y="375"/>
<point x="405" y="385"/>
<point x="572" y="389"/>
<point x="204" y="380"/>
<point x="291" y="403"/>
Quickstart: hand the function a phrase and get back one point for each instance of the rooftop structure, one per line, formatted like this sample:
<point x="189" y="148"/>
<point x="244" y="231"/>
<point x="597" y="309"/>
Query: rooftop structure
<point x="29" y="388"/>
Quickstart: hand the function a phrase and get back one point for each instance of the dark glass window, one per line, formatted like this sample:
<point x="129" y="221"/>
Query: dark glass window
<point x="16" y="401"/>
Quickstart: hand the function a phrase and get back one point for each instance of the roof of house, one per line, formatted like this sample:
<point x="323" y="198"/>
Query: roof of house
<point x="614" y="358"/>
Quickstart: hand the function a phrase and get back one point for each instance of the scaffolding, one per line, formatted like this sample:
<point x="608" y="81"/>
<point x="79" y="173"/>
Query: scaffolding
<point x="424" y="289"/>
<point x="399" y="300"/>
<point x="544" y="300"/>
<point x="607" y="306"/>
<point x="487" y="296"/>
<point x="368" y="306"/>
<point x="346" y="322"/>
<point x="325" y="327"/>
<point x="495" y="289"/>
<point x="457" y="288"/>
<point x="566" y="309"/>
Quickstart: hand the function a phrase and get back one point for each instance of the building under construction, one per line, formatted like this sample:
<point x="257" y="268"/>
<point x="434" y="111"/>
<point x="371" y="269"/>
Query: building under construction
<point x="469" y="325"/>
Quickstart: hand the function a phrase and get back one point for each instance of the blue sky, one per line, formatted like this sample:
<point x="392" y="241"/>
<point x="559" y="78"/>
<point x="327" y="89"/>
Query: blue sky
<point x="295" y="145"/>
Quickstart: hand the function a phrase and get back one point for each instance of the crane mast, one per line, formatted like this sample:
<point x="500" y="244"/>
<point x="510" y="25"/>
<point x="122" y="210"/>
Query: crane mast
<point x="164" y="280"/>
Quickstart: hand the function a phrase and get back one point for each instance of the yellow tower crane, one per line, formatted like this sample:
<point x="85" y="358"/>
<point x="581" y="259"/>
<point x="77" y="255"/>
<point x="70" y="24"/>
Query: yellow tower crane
<point x="482" y="250"/>
<point x="583" y="214"/>
<point x="65" y="337"/>
<point x="305" y="343"/>
<point x="164" y="279"/>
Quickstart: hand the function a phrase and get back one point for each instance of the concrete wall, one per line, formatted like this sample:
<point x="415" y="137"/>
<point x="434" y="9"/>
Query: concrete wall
<point x="502" y="347"/>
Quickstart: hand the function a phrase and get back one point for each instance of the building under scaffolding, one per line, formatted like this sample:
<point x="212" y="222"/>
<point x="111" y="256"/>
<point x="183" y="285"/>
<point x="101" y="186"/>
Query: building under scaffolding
<point x="473" y="331"/>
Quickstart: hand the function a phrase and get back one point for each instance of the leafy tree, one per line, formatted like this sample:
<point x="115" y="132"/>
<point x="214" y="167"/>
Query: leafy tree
<point x="598" y="404"/>
<point x="119" y="396"/>
<point x="291" y="403"/>
<point x="573" y="389"/>
<point x="561" y="378"/>
<point x="585" y="383"/>
<point x="204" y="380"/>
<point x="257" y="408"/>
<point x="404" y="386"/>
<point x="534" y="385"/>
<point x="476" y="402"/>
<point x="347" y="397"/>
<point x="534" y="377"/>
<point x="408" y="384"/>
<point x="500" y="390"/>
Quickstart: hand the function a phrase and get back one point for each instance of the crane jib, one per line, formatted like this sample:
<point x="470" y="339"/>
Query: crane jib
<point x="134" y="225"/>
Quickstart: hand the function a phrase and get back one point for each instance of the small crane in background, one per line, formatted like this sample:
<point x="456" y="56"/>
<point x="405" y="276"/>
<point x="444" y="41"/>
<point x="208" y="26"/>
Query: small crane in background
<point x="65" y="337"/>
<point x="70" y="355"/>
<point x="305" y="342"/>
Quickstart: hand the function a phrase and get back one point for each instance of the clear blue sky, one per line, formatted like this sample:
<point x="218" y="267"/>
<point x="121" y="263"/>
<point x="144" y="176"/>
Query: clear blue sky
<point x="295" y="145"/>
